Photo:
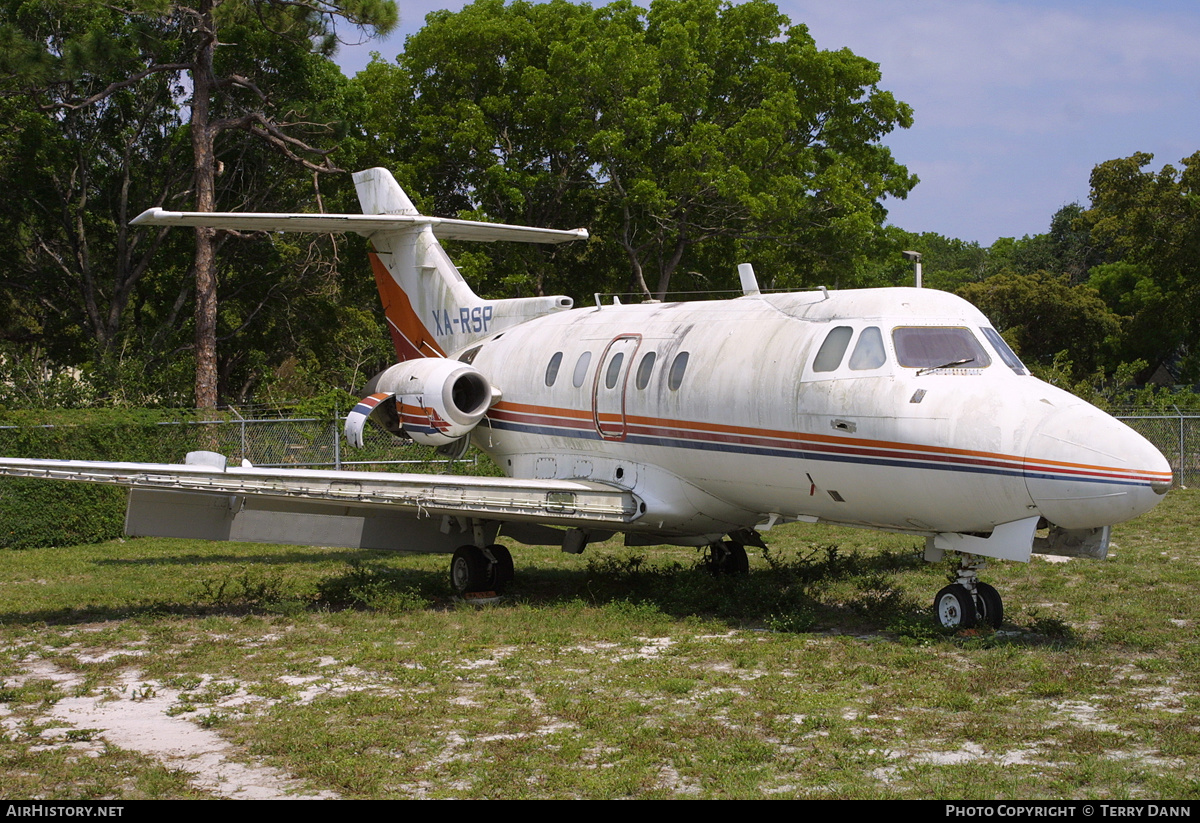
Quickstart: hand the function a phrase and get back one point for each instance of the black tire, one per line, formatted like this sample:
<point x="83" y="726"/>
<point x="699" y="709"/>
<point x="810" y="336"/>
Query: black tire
<point x="470" y="571"/>
<point x="500" y="573"/>
<point x="991" y="607"/>
<point x="727" y="558"/>
<point x="954" y="608"/>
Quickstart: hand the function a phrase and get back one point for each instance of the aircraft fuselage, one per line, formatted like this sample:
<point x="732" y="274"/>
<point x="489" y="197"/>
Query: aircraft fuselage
<point x="766" y="421"/>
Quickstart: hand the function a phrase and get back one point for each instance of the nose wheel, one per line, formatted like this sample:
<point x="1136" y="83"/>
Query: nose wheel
<point x="954" y="607"/>
<point x="968" y="601"/>
<point x="991" y="608"/>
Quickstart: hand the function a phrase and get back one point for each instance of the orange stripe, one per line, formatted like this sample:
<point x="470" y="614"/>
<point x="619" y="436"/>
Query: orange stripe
<point x="913" y="449"/>
<point x="409" y="336"/>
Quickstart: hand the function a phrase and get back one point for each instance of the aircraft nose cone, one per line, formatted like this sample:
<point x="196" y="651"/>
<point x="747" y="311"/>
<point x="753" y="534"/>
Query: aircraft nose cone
<point x="1085" y="469"/>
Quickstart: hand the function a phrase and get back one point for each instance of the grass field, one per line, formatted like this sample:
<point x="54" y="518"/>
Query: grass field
<point x="158" y="668"/>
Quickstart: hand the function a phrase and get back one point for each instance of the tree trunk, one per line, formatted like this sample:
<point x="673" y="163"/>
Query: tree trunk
<point x="205" y="182"/>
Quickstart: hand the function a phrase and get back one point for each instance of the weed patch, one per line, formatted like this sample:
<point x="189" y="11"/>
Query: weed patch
<point x="373" y="587"/>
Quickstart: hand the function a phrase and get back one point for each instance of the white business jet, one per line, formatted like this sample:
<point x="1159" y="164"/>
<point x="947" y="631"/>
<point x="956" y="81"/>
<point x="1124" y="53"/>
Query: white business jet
<point x="694" y="423"/>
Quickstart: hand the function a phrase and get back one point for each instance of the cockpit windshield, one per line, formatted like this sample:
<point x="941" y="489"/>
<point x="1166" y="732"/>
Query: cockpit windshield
<point x="935" y="347"/>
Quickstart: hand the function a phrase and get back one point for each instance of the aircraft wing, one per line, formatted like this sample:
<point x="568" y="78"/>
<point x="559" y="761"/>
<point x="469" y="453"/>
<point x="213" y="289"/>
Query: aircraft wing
<point x="382" y="510"/>
<point x="364" y="224"/>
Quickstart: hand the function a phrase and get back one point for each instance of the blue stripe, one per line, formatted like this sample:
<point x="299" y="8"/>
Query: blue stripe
<point x="797" y="453"/>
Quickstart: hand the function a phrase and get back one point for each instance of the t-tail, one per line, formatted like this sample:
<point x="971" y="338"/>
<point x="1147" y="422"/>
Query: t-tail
<point x="430" y="309"/>
<point x="431" y="312"/>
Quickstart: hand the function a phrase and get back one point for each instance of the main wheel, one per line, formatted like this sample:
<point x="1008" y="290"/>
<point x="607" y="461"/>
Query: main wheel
<point x="500" y="573"/>
<point x="954" y="607"/>
<point x="991" y="608"/>
<point x="470" y="570"/>
<point x="727" y="558"/>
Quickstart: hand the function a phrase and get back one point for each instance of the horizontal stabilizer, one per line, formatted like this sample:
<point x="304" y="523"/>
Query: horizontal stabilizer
<point x="364" y="224"/>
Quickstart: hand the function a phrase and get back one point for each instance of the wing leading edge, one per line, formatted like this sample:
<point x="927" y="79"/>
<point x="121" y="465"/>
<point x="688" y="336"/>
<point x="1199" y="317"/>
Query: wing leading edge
<point x="381" y="510"/>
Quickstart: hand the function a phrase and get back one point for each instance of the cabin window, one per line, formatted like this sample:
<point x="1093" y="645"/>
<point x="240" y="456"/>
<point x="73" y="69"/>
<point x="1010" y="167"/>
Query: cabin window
<point x="678" y="367"/>
<point x="1006" y="354"/>
<point x="552" y="368"/>
<point x="868" y="351"/>
<point x="581" y="367"/>
<point x="933" y="347"/>
<point x="829" y="357"/>
<point x="614" y="370"/>
<point x="645" y="369"/>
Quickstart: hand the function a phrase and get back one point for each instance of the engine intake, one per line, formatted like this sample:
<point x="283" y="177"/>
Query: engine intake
<point x="436" y="401"/>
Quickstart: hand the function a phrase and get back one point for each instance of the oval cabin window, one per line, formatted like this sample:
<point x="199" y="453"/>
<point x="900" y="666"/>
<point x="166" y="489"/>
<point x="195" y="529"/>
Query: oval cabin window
<point x="645" y="369"/>
<point x="678" y="367"/>
<point x="552" y="368"/>
<point x="581" y="367"/>
<point x="614" y="370"/>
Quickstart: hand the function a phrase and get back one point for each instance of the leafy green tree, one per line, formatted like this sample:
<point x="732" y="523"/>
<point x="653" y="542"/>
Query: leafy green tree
<point x="1150" y="222"/>
<point x="64" y="54"/>
<point x="1067" y="248"/>
<point x="1042" y="315"/>
<point x="947" y="263"/>
<point x="689" y="136"/>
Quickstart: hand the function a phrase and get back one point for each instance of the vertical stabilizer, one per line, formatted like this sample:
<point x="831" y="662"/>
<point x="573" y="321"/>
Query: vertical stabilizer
<point x="430" y="309"/>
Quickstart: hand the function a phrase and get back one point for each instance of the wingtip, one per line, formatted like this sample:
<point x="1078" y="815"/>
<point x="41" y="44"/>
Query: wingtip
<point x="148" y="217"/>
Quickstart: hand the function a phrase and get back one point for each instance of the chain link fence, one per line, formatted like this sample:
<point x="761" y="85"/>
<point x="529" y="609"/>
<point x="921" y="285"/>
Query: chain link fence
<point x="280" y="442"/>
<point x="1177" y="436"/>
<point x="316" y="444"/>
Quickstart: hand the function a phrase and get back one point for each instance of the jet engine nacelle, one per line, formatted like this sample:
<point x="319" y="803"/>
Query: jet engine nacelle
<point x="436" y="401"/>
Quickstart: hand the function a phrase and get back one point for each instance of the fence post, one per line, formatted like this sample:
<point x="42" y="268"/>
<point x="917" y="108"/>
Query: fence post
<point x="242" y="427"/>
<point x="1182" y="450"/>
<point x="337" y="445"/>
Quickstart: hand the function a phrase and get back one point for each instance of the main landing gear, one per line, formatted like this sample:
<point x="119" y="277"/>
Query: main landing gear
<point x="476" y="571"/>
<point x="729" y="556"/>
<point x="968" y="601"/>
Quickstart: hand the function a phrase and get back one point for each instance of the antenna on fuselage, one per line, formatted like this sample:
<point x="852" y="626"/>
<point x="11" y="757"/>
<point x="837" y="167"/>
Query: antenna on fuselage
<point x="749" y="281"/>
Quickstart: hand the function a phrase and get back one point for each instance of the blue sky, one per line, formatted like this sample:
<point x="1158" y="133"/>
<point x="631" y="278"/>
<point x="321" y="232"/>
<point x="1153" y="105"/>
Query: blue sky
<point x="1014" y="101"/>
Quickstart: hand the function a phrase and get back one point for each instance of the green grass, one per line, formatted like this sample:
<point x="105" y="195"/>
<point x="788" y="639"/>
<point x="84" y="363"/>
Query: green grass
<point x="618" y="673"/>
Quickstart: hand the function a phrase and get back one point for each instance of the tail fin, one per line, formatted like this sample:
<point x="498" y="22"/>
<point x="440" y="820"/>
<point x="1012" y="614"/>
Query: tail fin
<point x="430" y="309"/>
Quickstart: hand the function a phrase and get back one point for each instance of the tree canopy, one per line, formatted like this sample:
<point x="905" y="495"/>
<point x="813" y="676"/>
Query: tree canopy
<point x="688" y="136"/>
<point x="65" y="57"/>
<point x="694" y="132"/>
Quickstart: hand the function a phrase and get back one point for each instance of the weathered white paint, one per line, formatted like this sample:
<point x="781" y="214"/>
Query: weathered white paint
<point x="972" y="455"/>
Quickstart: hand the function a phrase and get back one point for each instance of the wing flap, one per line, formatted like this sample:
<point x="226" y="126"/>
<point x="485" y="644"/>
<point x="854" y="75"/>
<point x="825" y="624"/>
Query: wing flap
<point x="257" y="519"/>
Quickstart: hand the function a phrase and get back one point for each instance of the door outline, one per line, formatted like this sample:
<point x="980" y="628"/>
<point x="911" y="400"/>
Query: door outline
<point x="612" y="402"/>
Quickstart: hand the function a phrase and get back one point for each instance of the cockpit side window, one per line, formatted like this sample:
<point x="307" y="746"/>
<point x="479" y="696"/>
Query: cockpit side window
<point x="829" y="357"/>
<point x="933" y="347"/>
<point x="868" y="351"/>
<point x="1006" y="354"/>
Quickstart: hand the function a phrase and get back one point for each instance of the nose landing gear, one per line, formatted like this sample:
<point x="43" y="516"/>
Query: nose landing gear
<point x="968" y="601"/>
